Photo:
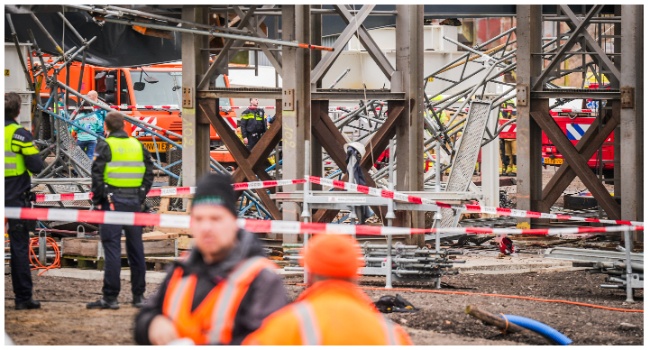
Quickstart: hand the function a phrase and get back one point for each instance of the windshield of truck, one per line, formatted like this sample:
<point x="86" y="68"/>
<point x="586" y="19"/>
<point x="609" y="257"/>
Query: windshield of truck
<point x="168" y="90"/>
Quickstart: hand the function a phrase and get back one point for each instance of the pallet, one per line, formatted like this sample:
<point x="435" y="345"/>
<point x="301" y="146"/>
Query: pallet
<point x="159" y="263"/>
<point x="88" y="263"/>
<point x="92" y="248"/>
<point x="164" y="209"/>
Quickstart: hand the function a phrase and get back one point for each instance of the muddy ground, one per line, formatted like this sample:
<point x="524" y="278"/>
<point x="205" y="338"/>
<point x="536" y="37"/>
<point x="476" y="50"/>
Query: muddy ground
<point x="64" y="320"/>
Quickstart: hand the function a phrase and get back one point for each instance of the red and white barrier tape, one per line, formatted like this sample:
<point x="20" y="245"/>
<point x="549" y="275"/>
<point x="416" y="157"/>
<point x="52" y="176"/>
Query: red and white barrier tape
<point x="277" y="226"/>
<point x="168" y="191"/>
<point x="225" y="108"/>
<point x="468" y="208"/>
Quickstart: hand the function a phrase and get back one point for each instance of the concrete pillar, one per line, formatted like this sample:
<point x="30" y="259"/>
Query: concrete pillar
<point x="296" y="103"/>
<point x="529" y="134"/>
<point x="196" y="132"/>
<point x="409" y="78"/>
<point x="632" y="112"/>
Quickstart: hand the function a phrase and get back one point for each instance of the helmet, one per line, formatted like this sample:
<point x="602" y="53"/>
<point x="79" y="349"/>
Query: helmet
<point x="356" y="145"/>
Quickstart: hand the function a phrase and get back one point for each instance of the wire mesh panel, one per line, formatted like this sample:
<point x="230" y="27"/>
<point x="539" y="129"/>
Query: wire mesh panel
<point x="467" y="151"/>
<point x="79" y="160"/>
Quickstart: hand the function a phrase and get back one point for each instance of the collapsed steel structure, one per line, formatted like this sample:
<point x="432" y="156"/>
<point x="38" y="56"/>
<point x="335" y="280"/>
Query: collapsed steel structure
<point x="404" y="113"/>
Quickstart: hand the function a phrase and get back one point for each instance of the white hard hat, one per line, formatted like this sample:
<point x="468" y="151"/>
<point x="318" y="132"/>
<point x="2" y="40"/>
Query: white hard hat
<point x="356" y="145"/>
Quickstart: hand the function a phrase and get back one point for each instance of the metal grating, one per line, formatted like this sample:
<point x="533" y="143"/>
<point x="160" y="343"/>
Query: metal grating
<point x="81" y="162"/>
<point x="466" y="155"/>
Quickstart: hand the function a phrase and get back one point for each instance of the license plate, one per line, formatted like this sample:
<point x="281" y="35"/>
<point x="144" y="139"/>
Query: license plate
<point x="162" y="146"/>
<point x="554" y="161"/>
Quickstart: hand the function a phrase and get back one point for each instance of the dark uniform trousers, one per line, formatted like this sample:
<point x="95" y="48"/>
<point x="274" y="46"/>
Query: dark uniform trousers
<point x="253" y="139"/>
<point x="111" y="240"/>
<point x="21" y="275"/>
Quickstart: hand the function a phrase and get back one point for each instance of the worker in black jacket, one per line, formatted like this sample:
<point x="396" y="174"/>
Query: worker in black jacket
<point x="21" y="159"/>
<point x="122" y="175"/>
<point x="225" y="287"/>
<point x="253" y="123"/>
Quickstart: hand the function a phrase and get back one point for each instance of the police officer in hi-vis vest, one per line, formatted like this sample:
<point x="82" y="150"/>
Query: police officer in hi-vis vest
<point x="21" y="159"/>
<point x="253" y="123"/>
<point x="122" y="175"/>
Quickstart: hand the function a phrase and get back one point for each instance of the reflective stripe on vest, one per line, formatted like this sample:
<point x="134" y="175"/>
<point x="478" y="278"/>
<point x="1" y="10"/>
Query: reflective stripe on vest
<point x="213" y="319"/>
<point x="179" y="289"/>
<point x="126" y="168"/>
<point x="391" y="334"/>
<point x="309" y="331"/>
<point x="223" y="316"/>
<point x="14" y="162"/>
<point x="311" y="334"/>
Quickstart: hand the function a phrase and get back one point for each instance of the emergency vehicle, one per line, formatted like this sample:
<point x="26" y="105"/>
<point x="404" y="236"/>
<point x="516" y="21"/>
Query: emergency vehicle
<point x="574" y="120"/>
<point x="152" y="94"/>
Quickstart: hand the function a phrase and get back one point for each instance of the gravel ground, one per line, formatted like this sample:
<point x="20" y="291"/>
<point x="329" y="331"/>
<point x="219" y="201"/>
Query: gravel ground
<point x="64" y="320"/>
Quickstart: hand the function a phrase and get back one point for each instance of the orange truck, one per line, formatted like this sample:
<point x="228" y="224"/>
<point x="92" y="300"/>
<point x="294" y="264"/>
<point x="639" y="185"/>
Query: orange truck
<point x="152" y="94"/>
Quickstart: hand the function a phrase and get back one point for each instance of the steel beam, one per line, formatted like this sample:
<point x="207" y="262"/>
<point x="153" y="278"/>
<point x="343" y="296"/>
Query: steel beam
<point x="576" y="94"/>
<point x="207" y="108"/>
<point x="367" y="41"/>
<point x="196" y="130"/>
<point x="409" y="127"/>
<point x="259" y="33"/>
<point x="592" y="45"/>
<point x="559" y="54"/>
<point x="333" y="142"/>
<point x="578" y="163"/>
<point x="221" y="58"/>
<point x="586" y="147"/>
<point x="632" y="112"/>
<point x="324" y="65"/>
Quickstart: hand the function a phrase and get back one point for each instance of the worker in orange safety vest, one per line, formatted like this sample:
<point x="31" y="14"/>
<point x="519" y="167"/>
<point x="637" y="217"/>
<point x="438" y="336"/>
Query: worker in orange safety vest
<point x="225" y="287"/>
<point x="332" y="310"/>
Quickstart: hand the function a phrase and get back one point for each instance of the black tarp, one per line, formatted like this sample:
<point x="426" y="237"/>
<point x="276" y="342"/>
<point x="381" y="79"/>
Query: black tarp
<point x="116" y="45"/>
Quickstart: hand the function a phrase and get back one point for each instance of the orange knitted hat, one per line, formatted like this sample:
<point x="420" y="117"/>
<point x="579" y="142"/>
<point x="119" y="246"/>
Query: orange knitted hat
<point x="332" y="256"/>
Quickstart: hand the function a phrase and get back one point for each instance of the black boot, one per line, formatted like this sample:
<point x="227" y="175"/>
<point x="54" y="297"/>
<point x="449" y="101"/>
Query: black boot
<point x="28" y="305"/>
<point x="104" y="303"/>
<point x="138" y="301"/>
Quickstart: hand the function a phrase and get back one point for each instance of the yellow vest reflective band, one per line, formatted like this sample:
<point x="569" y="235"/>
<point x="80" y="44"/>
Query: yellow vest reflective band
<point x="15" y="152"/>
<point x="126" y="168"/>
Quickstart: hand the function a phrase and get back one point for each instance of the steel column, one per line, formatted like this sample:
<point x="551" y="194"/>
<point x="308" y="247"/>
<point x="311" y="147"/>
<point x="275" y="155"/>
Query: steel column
<point x="296" y="104"/>
<point x="196" y="131"/>
<point x="632" y="113"/>
<point x="529" y="134"/>
<point x="409" y="130"/>
<point x="316" y="148"/>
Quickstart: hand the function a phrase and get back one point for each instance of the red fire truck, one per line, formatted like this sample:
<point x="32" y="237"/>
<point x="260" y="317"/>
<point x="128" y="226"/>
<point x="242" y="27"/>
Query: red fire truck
<point x="574" y="122"/>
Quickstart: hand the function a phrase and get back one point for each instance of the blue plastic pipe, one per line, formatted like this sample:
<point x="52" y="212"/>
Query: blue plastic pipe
<point x="541" y="328"/>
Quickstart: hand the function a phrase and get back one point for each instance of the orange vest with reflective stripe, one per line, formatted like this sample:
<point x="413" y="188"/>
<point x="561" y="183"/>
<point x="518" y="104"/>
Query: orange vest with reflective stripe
<point x="213" y="320"/>
<point x="329" y="313"/>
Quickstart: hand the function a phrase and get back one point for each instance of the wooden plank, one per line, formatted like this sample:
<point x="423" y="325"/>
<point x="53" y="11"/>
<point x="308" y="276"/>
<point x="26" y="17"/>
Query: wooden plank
<point x="79" y="246"/>
<point x="185" y="242"/>
<point x="89" y="248"/>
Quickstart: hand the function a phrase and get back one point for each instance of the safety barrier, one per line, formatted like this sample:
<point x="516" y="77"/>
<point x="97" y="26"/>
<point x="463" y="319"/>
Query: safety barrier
<point x="282" y="227"/>
<point x="467" y="208"/>
<point x="167" y="191"/>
